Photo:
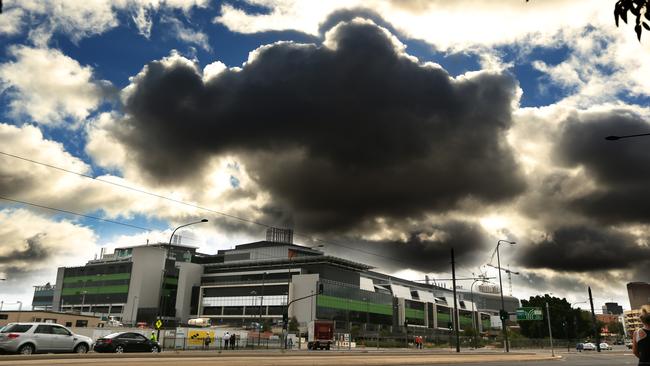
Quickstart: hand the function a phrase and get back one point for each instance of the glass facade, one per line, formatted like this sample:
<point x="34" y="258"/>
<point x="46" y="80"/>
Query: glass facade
<point x="345" y="303"/>
<point x="414" y="312"/>
<point x="96" y="284"/>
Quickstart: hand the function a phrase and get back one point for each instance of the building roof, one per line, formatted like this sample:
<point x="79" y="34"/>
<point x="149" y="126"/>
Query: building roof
<point x="340" y="262"/>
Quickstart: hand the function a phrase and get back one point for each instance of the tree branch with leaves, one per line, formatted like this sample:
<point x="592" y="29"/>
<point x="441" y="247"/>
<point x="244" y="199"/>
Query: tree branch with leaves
<point x="640" y="9"/>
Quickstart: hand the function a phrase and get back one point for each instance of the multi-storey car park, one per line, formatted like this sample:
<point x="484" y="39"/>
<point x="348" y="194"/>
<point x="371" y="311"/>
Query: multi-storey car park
<point x="254" y="282"/>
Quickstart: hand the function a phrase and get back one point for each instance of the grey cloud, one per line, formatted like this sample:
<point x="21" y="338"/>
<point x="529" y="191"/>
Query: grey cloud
<point x="33" y="251"/>
<point x="426" y="250"/>
<point x="621" y="169"/>
<point x="336" y="136"/>
<point x="583" y="249"/>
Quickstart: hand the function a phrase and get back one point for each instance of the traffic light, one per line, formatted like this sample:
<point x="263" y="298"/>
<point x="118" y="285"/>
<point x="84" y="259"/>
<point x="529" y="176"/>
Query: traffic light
<point x="504" y="315"/>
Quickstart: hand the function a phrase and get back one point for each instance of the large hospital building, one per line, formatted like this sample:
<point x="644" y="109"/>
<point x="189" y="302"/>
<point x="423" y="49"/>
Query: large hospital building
<point x="141" y="283"/>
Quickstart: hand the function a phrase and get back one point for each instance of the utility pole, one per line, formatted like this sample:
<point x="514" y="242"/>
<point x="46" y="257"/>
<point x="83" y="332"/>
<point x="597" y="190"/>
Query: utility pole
<point x="593" y="319"/>
<point x="550" y="332"/>
<point x="455" y="316"/>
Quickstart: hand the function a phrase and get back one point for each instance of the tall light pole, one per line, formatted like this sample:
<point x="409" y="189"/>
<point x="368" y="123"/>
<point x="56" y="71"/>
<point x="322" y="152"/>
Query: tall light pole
<point x="259" y="330"/>
<point x="475" y="323"/>
<point x="161" y="303"/>
<point x="503" y="314"/>
<point x="83" y="301"/>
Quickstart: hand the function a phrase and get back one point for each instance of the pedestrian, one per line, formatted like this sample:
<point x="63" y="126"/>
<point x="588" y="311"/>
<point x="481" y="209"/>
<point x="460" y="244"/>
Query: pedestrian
<point x="579" y="347"/>
<point x="226" y="339"/>
<point x="233" y="340"/>
<point x="153" y="336"/>
<point x="641" y="338"/>
<point x="207" y="340"/>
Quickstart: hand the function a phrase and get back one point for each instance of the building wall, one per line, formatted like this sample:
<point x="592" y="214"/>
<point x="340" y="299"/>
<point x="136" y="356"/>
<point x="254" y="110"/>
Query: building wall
<point x="301" y="286"/>
<point x="639" y="294"/>
<point x="66" y="319"/>
<point x="146" y="277"/>
<point x="189" y="275"/>
<point x="631" y="321"/>
<point x="56" y="298"/>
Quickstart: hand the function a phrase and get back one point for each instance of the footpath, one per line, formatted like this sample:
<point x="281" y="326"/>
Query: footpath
<point x="284" y="358"/>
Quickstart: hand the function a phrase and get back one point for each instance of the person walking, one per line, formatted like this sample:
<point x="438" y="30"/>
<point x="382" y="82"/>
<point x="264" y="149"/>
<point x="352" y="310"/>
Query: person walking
<point x="641" y="338"/>
<point x="207" y="340"/>
<point x="153" y="336"/>
<point x="226" y="340"/>
<point x="233" y="340"/>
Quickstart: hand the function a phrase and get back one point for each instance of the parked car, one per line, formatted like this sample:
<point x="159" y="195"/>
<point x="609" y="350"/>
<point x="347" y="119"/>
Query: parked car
<point x="588" y="346"/>
<point x="126" y="342"/>
<point x="28" y="338"/>
<point x="605" y="346"/>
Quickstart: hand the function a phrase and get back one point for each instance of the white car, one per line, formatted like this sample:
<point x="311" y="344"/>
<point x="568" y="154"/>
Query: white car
<point x="588" y="346"/>
<point x="605" y="346"/>
<point x="28" y="338"/>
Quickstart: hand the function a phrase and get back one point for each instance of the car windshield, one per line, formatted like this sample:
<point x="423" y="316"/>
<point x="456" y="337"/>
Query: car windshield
<point x="112" y="335"/>
<point x="16" y="328"/>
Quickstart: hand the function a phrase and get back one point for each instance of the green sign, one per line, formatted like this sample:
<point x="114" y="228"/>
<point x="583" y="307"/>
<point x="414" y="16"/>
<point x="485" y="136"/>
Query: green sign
<point x="158" y="324"/>
<point x="530" y="314"/>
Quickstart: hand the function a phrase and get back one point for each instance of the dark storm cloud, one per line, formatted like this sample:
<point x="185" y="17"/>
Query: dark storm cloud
<point x="427" y="250"/>
<point x="583" y="249"/>
<point x="336" y="135"/>
<point x="32" y="251"/>
<point x="621" y="169"/>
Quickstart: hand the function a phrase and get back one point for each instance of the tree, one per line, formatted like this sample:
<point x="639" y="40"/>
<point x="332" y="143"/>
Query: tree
<point x="639" y="8"/>
<point x="615" y="327"/>
<point x="293" y="324"/>
<point x="566" y="322"/>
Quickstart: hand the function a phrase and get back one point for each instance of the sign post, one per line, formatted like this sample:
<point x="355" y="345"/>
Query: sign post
<point x="529" y="314"/>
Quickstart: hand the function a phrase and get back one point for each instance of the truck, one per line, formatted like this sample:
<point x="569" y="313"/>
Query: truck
<point x="320" y="334"/>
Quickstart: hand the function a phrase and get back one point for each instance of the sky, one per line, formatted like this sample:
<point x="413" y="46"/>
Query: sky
<point x="387" y="131"/>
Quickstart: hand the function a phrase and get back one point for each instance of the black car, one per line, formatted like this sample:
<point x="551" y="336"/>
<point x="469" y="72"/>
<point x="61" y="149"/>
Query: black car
<point x="126" y="342"/>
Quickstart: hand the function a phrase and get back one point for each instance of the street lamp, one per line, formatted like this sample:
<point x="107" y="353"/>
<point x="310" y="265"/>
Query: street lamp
<point x="503" y="313"/>
<point x="475" y="323"/>
<point x="161" y="303"/>
<point x="259" y="330"/>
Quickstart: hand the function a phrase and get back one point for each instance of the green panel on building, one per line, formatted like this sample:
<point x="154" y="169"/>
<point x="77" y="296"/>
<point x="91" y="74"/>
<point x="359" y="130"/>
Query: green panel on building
<point x="94" y="278"/>
<point x="96" y="290"/>
<point x="353" y="305"/>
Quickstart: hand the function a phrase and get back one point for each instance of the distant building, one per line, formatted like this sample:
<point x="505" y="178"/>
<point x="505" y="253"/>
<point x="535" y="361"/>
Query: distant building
<point x="612" y="308"/>
<point x="67" y="319"/>
<point x="43" y="297"/>
<point x="639" y="294"/>
<point x="631" y="321"/>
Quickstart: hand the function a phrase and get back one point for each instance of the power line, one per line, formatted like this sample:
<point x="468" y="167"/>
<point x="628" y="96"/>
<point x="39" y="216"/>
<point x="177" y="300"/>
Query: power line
<point x="76" y="214"/>
<point x="179" y="202"/>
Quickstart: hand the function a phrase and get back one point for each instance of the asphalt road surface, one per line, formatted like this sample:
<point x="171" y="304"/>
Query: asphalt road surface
<point x="339" y="359"/>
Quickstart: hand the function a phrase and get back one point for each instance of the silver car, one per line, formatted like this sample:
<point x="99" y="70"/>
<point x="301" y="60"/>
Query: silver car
<point x="28" y="338"/>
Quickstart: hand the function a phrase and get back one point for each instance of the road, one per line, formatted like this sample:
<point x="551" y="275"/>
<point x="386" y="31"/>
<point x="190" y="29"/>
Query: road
<point x="329" y="358"/>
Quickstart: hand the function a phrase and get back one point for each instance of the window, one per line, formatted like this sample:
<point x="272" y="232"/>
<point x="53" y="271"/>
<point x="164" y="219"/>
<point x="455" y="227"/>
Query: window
<point x="4" y="316"/>
<point x="37" y="320"/>
<point x="139" y="337"/>
<point x="81" y="323"/>
<point x="68" y="324"/>
<point x="46" y="320"/>
<point x="60" y="331"/>
<point x="43" y="329"/>
<point x="17" y="328"/>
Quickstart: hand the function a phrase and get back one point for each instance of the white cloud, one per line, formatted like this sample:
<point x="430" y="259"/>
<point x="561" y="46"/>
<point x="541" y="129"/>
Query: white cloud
<point x="188" y="35"/>
<point x="82" y="19"/>
<point x="49" y="87"/>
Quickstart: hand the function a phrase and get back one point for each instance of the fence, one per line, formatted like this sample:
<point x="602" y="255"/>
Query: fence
<point x="219" y="343"/>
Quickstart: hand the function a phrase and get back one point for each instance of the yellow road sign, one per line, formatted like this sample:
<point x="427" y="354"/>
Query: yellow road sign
<point x="158" y="324"/>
